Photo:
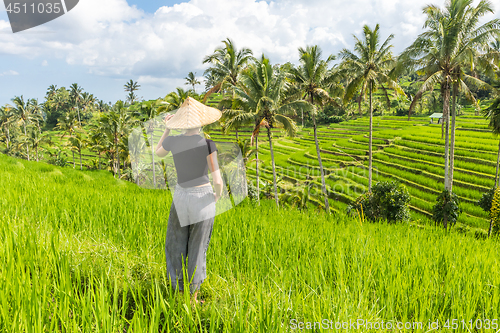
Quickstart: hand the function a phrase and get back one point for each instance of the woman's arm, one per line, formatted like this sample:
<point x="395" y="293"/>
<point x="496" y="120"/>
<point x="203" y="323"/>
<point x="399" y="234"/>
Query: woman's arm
<point x="160" y="151"/>
<point x="213" y="165"/>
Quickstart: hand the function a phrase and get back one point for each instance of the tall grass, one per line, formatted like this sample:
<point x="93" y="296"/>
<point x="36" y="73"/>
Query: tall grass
<point x="83" y="252"/>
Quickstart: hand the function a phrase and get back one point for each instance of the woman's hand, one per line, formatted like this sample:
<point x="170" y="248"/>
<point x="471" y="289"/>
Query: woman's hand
<point x="168" y="117"/>
<point x="216" y="197"/>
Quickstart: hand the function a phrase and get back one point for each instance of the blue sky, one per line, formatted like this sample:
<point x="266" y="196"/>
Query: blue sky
<point x="102" y="44"/>
<point x="152" y="5"/>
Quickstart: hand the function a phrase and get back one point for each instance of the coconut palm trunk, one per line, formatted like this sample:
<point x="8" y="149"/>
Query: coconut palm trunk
<point x="78" y="110"/>
<point x="452" y="143"/>
<point x="115" y="153"/>
<point x="73" y="159"/>
<point x="27" y="144"/>
<point x="8" y="136"/>
<point x="273" y="166"/>
<point x="323" y="184"/>
<point x="81" y="167"/>
<point x="446" y="115"/>
<point x="118" y="160"/>
<point x="257" y="167"/>
<point x="370" y="139"/>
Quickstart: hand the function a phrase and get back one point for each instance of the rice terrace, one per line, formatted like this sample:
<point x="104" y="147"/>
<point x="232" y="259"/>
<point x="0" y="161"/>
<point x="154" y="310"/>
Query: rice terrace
<point x="373" y="197"/>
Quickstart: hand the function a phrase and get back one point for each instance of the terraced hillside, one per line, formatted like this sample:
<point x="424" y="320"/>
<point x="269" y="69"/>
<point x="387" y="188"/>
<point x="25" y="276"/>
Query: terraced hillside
<point x="408" y="152"/>
<point x="411" y="152"/>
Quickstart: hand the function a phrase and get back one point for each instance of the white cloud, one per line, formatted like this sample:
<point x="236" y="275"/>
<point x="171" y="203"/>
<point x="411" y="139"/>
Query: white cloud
<point x="10" y="72"/>
<point x="45" y="63"/>
<point x="5" y="26"/>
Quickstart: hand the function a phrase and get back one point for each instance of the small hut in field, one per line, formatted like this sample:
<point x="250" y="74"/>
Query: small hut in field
<point x="438" y="116"/>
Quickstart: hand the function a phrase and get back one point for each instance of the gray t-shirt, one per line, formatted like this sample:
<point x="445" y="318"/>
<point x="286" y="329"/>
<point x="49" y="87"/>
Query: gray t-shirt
<point x="190" y="158"/>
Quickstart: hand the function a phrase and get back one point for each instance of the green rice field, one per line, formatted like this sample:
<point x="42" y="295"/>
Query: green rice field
<point x="84" y="252"/>
<point x="410" y="152"/>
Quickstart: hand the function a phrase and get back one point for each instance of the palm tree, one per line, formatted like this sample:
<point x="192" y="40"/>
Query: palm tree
<point x="234" y="116"/>
<point x="77" y="143"/>
<point x="245" y="146"/>
<point x="459" y="84"/>
<point x="36" y="112"/>
<point x="173" y="100"/>
<point x="313" y="78"/>
<point x="88" y="101"/>
<point x="453" y="41"/>
<point x="492" y="113"/>
<point x="210" y="80"/>
<point x="5" y="119"/>
<point x="369" y="70"/>
<point x="191" y="80"/>
<point x="35" y="139"/>
<point x="67" y="124"/>
<point x="116" y="124"/>
<point x="130" y="87"/>
<point x="102" y="106"/>
<point x="151" y="109"/>
<point x="227" y="64"/>
<point x="495" y="45"/>
<point x="76" y="97"/>
<point x="108" y="123"/>
<point x="96" y="141"/>
<point x="100" y="139"/>
<point x="60" y="100"/>
<point x="22" y="114"/>
<point x="51" y="91"/>
<point x="261" y="91"/>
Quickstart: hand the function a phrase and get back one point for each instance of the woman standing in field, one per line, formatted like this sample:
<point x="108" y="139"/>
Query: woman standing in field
<point x="192" y="212"/>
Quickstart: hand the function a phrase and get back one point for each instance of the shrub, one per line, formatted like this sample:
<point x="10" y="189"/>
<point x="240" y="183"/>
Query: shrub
<point x="495" y="211"/>
<point x="252" y="190"/>
<point x="486" y="199"/>
<point x="401" y="111"/>
<point x="298" y="198"/>
<point x="266" y="187"/>
<point x="58" y="157"/>
<point x="93" y="164"/>
<point x="387" y="201"/>
<point x="447" y="203"/>
<point x="334" y="119"/>
<point x="328" y="115"/>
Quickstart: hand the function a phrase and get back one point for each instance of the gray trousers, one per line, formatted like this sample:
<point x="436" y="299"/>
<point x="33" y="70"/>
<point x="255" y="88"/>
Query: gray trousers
<point x="188" y="244"/>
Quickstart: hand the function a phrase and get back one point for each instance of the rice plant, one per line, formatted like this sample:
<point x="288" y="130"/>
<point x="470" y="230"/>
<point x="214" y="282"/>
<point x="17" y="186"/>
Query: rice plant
<point x="83" y="251"/>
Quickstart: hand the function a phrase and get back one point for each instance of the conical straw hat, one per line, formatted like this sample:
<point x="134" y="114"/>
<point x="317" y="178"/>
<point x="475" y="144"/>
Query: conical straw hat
<point x="193" y="114"/>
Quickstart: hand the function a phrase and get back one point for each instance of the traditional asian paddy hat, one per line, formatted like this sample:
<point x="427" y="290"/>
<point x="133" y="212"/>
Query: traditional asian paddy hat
<point x="193" y="114"/>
